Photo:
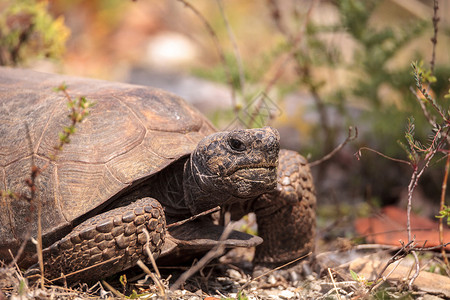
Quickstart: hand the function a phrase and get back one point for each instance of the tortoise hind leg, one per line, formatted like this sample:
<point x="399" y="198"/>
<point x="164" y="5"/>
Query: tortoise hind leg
<point x="286" y="217"/>
<point x="107" y="243"/>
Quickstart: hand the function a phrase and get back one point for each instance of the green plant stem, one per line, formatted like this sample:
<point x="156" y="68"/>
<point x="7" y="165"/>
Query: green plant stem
<point x="441" y="208"/>
<point x="39" y="242"/>
<point x="434" y="38"/>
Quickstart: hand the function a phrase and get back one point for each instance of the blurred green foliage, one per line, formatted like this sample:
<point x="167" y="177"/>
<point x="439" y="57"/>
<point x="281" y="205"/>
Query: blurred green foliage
<point x="28" y="31"/>
<point x="366" y="83"/>
<point x="371" y="70"/>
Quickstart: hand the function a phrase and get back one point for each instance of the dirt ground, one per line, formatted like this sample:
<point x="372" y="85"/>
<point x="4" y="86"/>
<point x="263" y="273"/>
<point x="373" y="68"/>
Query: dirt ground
<point x="232" y="276"/>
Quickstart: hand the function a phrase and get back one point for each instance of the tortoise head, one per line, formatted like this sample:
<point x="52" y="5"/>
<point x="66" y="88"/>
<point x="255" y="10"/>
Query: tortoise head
<point x="232" y="166"/>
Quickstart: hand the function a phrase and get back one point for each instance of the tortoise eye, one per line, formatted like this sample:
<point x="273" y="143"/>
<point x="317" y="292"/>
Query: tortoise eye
<point x="236" y="144"/>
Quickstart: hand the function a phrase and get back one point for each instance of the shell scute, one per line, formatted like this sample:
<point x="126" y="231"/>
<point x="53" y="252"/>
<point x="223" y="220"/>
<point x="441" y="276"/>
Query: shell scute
<point x="132" y="132"/>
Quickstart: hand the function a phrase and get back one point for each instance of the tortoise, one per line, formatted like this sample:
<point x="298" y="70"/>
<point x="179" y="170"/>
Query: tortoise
<point x="142" y="160"/>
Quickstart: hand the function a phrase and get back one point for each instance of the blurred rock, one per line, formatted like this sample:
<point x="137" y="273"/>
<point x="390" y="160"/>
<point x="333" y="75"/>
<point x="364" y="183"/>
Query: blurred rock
<point x="205" y="95"/>
<point x="389" y="227"/>
<point x="170" y="50"/>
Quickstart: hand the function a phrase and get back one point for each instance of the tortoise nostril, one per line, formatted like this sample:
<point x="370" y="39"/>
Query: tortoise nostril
<point x="272" y="143"/>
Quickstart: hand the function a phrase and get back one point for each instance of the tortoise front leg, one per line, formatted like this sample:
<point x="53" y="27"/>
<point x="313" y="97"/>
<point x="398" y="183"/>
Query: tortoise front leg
<point x="286" y="217"/>
<point x="107" y="243"/>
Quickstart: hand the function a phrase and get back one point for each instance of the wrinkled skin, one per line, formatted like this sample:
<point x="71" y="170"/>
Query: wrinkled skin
<point x="229" y="167"/>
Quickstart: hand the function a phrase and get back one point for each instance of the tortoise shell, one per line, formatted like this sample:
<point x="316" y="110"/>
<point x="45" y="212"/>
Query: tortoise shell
<point x="131" y="133"/>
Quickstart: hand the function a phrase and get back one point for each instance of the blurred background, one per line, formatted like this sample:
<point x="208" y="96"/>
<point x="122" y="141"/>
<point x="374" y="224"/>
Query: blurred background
<point x="311" y="69"/>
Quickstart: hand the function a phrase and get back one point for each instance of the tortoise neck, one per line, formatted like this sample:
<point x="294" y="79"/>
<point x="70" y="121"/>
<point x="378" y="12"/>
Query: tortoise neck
<point x="201" y="191"/>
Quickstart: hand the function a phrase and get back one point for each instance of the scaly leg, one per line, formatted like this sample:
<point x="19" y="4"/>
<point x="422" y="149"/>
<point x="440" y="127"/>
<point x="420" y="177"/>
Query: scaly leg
<point x="286" y="217"/>
<point x="112" y="241"/>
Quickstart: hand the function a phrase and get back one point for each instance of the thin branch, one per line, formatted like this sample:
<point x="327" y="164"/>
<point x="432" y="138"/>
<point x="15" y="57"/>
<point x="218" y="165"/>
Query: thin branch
<point x="400" y="254"/>
<point x="416" y="273"/>
<point x="384" y="278"/>
<point x="430" y="118"/>
<point x="413" y="184"/>
<point x="327" y="131"/>
<point x="435" y="30"/>
<point x="113" y="290"/>
<point x="334" y="284"/>
<point x="294" y="48"/>
<point x="432" y="248"/>
<point x="349" y="138"/>
<point x="295" y="44"/>
<point x="91" y="267"/>
<point x="237" y="54"/>
<point x="276" y="16"/>
<point x="358" y="155"/>
<point x="149" y="253"/>
<point x="372" y="234"/>
<point x="423" y="91"/>
<point x="155" y="279"/>
<point x="441" y="207"/>
<point x="19" y="253"/>
<point x="209" y="211"/>
<point x="39" y="241"/>
<point x="273" y="270"/>
<point x="216" y="251"/>
<point x="219" y="49"/>
<point x="411" y="187"/>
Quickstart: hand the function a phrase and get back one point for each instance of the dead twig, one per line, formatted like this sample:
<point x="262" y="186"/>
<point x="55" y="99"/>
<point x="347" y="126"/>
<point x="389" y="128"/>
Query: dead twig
<point x="417" y="269"/>
<point x="400" y="254"/>
<point x="384" y="278"/>
<point x="358" y="155"/>
<point x="334" y="284"/>
<point x="447" y="164"/>
<point x="391" y="231"/>
<point x="431" y="248"/>
<point x="39" y="242"/>
<point x="21" y="248"/>
<point x="415" y="176"/>
<point x="349" y="138"/>
<point x="219" y="49"/>
<point x="409" y="248"/>
<point x="435" y="31"/>
<point x="430" y="118"/>
<point x="113" y="290"/>
<point x="441" y="207"/>
<point x="156" y="279"/>
<point x="273" y="270"/>
<point x="278" y="19"/>
<point x="207" y="212"/>
<point x="149" y="253"/>
<point x="84" y="269"/>
<point x="295" y="44"/>
<point x="79" y="110"/>
<point x="216" y="251"/>
<point x="31" y="183"/>
<point x="237" y="54"/>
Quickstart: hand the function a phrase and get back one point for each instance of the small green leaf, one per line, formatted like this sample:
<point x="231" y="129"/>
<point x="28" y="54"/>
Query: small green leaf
<point x="123" y="280"/>
<point x="62" y="87"/>
<point x="354" y="275"/>
<point x="22" y="290"/>
<point x="447" y="96"/>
